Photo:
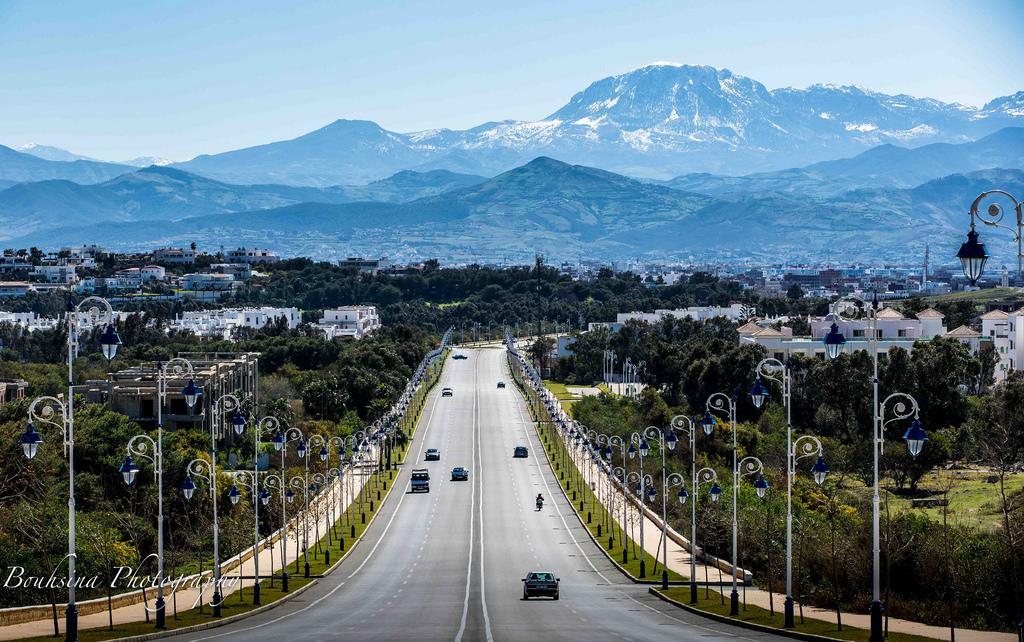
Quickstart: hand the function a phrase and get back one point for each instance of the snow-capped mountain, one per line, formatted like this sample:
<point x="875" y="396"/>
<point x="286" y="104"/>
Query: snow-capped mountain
<point x="50" y="153"/>
<point x="146" y="161"/>
<point x="658" y="121"/>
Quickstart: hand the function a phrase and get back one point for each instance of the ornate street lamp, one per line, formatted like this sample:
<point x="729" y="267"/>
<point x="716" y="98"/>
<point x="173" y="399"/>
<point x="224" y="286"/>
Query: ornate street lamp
<point x="972" y="254"/>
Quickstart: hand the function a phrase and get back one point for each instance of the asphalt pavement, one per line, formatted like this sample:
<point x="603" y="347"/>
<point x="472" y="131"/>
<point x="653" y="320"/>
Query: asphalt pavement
<point x="448" y="564"/>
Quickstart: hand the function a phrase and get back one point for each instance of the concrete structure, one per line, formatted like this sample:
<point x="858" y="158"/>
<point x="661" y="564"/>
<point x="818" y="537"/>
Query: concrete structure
<point x="174" y="256"/>
<point x="11" y="262"/>
<point x="223" y="323"/>
<point x="371" y="266"/>
<point x="132" y="391"/>
<point x="1006" y="331"/>
<point x="241" y="271"/>
<point x="251" y="256"/>
<point x="12" y="390"/>
<point x="350" y="322"/>
<point x="14" y="288"/>
<point x="28" y="321"/>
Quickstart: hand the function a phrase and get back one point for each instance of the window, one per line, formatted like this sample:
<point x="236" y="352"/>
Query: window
<point x="902" y="332"/>
<point x="858" y="333"/>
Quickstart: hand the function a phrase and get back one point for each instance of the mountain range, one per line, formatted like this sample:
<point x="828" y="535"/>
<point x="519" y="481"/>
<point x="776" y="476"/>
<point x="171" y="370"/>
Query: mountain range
<point x="658" y="121"/>
<point x="567" y="210"/>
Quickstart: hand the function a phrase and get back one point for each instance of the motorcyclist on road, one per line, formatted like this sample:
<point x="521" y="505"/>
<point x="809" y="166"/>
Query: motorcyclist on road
<point x="540" y="500"/>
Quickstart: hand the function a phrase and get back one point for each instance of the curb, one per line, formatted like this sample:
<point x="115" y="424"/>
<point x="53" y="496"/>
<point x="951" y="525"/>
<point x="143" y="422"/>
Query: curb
<point x="797" y="635"/>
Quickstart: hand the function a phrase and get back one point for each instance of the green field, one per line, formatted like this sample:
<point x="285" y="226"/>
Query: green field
<point x="979" y="296"/>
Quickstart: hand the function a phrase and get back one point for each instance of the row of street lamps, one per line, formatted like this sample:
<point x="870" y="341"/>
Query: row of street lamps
<point x="900" y="406"/>
<point x="96" y="312"/>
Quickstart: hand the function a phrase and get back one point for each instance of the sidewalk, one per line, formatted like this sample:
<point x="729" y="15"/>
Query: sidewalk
<point x="187" y="598"/>
<point x="679" y="561"/>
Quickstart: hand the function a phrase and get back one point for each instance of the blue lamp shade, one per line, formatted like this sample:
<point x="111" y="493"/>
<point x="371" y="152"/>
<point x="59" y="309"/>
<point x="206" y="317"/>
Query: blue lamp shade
<point x="128" y="470"/>
<point x="915" y="438"/>
<point x="109" y="341"/>
<point x="265" y="496"/>
<point x="758" y="393"/>
<point x="301" y="449"/>
<point x="683" y="495"/>
<point x="820" y="471"/>
<point x="715" y="491"/>
<point x="277" y="440"/>
<point x="323" y="453"/>
<point x="312" y="489"/>
<point x="644" y="448"/>
<point x="607" y="453"/>
<point x="234" y="494"/>
<point x="834" y="342"/>
<point x="707" y="422"/>
<point x="188" y="487"/>
<point x="631" y="451"/>
<point x="191" y="392"/>
<point x="651" y="493"/>
<point x="671" y="439"/>
<point x="238" y="422"/>
<point x="30" y="441"/>
<point x="973" y="257"/>
<point x="761" y="486"/>
<point x="290" y="496"/>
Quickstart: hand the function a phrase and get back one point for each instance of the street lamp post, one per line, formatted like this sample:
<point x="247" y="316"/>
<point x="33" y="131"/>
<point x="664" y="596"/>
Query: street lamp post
<point x="904" y="406"/>
<point x="702" y="476"/>
<point x="92" y="312"/>
<point x="280" y="441"/>
<point x="806" y="446"/>
<point x="207" y="470"/>
<point x="638" y="444"/>
<point x="268" y="425"/>
<point x="972" y="254"/>
<point x="721" y="403"/>
<point x="682" y="423"/>
<point x="665" y="443"/>
<point x="304" y="451"/>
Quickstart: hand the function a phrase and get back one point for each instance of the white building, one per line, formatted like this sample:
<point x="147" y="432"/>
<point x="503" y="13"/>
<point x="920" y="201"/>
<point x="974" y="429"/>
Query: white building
<point x="251" y="256"/>
<point x="350" y="322"/>
<point x="1006" y="331"/>
<point x="371" y="266"/>
<point x="734" y="312"/>
<point x="174" y="256"/>
<point x="30" y="321"/>
<point x="55" y="273"/>
<point x="152" y="273"/>
<point x="241" y="271"/>
<point x="205" y="281"/>
<point x="10" y="262"/>
<point x="222" y="323"/>
<point x="893" y="330"/>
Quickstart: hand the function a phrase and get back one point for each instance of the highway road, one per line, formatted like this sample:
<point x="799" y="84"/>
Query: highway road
<point x="447" y="565"/>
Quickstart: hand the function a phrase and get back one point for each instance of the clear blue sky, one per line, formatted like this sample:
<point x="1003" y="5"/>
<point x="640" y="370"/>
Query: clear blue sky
<point x="121" y="79"/>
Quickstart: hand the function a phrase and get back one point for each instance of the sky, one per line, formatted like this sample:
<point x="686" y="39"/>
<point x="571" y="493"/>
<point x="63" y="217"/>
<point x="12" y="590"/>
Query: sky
<point x="117" y="80"/>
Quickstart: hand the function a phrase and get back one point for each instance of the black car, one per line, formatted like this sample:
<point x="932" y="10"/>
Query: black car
<point x="501" y="384"/>
<point x="460" y="474"/>
<point x="520" y="452"/>
<point x="459" y="356"/>
<point x="433" y="454"/>
<point x="540" y="584"/>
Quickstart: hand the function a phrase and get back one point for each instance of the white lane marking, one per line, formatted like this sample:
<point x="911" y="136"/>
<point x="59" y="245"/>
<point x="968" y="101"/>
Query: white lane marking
<point x="480" y="465"/>
<point x="586" y="557"/>
<point x="426" y="429"/>
<point x="472" y="508"/>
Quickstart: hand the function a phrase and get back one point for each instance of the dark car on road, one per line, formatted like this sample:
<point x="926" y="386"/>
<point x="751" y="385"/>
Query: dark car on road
<point x="540" y="584"/>
<point x="447" y="392"/>
<point x="433" y="454"/>
<point x="520" y="452"/>
<point x="460" y="356"/>
<point x="501" y="384"/>
<point x="460" y="474"/>
<point x="420" y="480"/>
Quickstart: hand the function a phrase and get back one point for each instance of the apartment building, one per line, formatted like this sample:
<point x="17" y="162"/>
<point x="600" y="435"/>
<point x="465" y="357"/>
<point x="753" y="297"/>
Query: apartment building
<point x="349" y="322"/>
<point x="251" y="256"/>
<point x="222" y="323"/>
<point x="1006" y="331"/>
<point x="174" y="256"/>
